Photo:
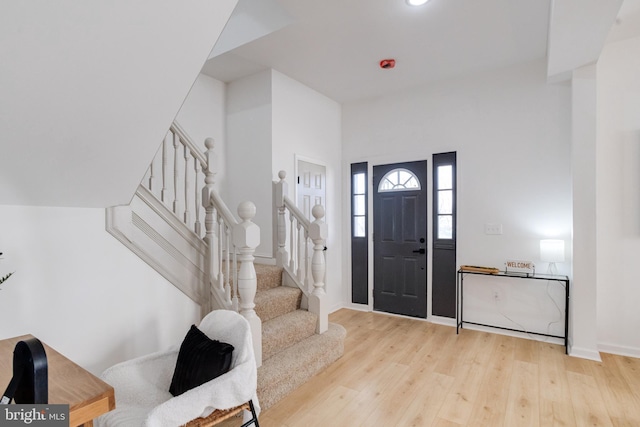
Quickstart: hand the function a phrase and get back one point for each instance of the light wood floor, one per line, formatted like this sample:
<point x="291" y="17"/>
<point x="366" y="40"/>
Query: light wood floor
<point x="402" y="372"/>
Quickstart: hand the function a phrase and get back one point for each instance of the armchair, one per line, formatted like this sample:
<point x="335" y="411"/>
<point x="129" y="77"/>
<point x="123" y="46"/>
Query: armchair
<point x="142" y="385"/>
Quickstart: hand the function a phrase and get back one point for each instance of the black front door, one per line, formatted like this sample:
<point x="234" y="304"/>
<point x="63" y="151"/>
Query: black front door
<point x="400" y="238"/>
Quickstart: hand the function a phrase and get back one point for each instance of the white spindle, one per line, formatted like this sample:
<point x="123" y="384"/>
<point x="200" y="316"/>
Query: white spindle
<point x="165" y="161"/>
<point x="151" y="177"/>
<point x="227" y="264"/>
<point x="307" y="275"/>
<point x="292" y="262"/>
<point x="299" y="236"/>
<point x="235" y="300"/>
<point x="187" y="153"/>
<point x="176" y="144"/>
<point x="221" y="252"/>
<point x="196" y="197"/>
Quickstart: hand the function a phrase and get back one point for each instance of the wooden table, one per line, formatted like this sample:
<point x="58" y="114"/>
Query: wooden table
<point x="87" y="395"/>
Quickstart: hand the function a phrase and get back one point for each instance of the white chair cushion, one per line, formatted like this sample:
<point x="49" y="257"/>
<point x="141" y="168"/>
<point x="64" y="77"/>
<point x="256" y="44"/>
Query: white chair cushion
<point x="142" y="384"/>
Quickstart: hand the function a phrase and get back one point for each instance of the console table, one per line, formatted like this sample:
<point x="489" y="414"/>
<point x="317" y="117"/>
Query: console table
<point x="503" y="274"/>
<point x="87" y="395"/>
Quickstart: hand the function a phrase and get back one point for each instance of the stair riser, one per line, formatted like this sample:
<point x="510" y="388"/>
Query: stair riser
<point x="278" y="335"/>
<point x="269" y="276"/>
<point x="271" y="304"/>
<point x="292" y="351"/>
<point x="294" y="366"/>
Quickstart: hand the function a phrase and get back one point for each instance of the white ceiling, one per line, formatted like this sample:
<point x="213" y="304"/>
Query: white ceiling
<point x="68" y="126"/>
<point x="81" y="112"/>
<point x="334" y="46"/>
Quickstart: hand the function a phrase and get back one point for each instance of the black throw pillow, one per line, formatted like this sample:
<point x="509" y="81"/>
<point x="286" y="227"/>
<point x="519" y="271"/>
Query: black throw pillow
<point x="200" y="359"/>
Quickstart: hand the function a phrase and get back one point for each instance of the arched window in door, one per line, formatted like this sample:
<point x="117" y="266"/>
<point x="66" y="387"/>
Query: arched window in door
<point x="399" y="180"/>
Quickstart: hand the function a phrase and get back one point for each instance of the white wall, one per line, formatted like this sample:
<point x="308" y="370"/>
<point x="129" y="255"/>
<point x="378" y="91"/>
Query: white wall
<point x="308" y="124"/>
<point x="203" y="115"/>
<point x="81" y="291"/>
<point x="511" y="131"/>
<point x="271" y="118"/>
<point x="618" y="197"/>
<point x="583" y="166"/>
<point x="92" y="87"/>
<point x="248" y="147"/>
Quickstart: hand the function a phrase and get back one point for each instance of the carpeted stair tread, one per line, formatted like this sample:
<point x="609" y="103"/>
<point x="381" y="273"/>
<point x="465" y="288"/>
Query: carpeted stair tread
<point x="286" y="330"/>
<point x="277" y="302"/>
<point x="269" y="276"/>
<point x="289" y="369"/>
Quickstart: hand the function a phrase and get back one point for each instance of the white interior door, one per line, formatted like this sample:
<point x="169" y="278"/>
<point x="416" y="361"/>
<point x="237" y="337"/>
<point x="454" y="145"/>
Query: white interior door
<point x="311" y="187"/>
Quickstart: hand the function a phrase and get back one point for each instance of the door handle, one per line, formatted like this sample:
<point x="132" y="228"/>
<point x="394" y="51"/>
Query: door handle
<point x="420" y="251"/>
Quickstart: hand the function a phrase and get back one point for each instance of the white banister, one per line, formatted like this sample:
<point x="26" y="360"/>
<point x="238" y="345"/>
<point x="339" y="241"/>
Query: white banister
<point x="295" y="258"/>
<point x="230" y="278"/>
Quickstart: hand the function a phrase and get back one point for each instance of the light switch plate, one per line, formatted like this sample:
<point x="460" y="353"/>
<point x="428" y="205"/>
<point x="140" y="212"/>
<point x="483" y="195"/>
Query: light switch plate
<point x="491" y="228"/>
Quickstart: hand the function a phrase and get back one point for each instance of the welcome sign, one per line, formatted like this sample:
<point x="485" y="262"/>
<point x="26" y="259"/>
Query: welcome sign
<point x="516" y="266"/>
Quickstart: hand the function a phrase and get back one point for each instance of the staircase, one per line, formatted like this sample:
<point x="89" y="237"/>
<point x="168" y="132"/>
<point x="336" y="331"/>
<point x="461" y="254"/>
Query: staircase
<point x="214" y="265"/>
<point x="292" y="351"/>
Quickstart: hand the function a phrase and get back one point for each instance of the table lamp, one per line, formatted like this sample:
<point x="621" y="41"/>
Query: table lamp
<point x="552" y="251"/>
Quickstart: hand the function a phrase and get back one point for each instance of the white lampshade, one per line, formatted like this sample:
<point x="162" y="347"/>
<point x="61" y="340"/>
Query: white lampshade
<point x="552" y="250"/>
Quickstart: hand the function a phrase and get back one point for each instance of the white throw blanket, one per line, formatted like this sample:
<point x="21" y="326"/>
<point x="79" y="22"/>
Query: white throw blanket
<point x="142" y="385"/>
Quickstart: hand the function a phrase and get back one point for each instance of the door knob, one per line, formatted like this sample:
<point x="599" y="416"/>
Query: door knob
<point x="420" y="251"/>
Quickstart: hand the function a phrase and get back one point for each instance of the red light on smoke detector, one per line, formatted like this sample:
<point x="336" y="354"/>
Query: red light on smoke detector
<point x="387" y="63"/>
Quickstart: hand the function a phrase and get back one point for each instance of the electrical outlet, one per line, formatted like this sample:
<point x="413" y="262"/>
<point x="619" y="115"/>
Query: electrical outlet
<point x="492" y="228"/>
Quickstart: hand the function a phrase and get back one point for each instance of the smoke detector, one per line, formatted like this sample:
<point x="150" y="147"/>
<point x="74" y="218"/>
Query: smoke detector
<point x="387" y="63"/>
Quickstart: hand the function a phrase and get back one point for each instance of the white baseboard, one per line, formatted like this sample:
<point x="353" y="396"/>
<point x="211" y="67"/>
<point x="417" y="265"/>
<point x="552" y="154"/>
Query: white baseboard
<point x="446" y="321"/>
<point x="515" y="334"/>
<point x="619" y="350"/>
<point x="264" y="259"/>
<point x="584" y="353"/>
<point x="352" y="306"/>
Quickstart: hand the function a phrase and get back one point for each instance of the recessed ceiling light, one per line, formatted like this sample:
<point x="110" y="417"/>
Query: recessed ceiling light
<point x="416" y="2"/>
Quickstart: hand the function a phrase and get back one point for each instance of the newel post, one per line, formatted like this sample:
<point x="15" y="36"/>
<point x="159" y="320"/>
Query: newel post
<point x="246" y="237"/>
<point x="318" y="298"/>
<point x="210" y="224"/>
<point x="282" y="257"/>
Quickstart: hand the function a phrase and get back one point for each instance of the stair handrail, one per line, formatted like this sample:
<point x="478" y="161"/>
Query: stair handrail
<point x="307" y="272"/>
<point x="297" y="213"/>
<point x="177" y="129"/>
